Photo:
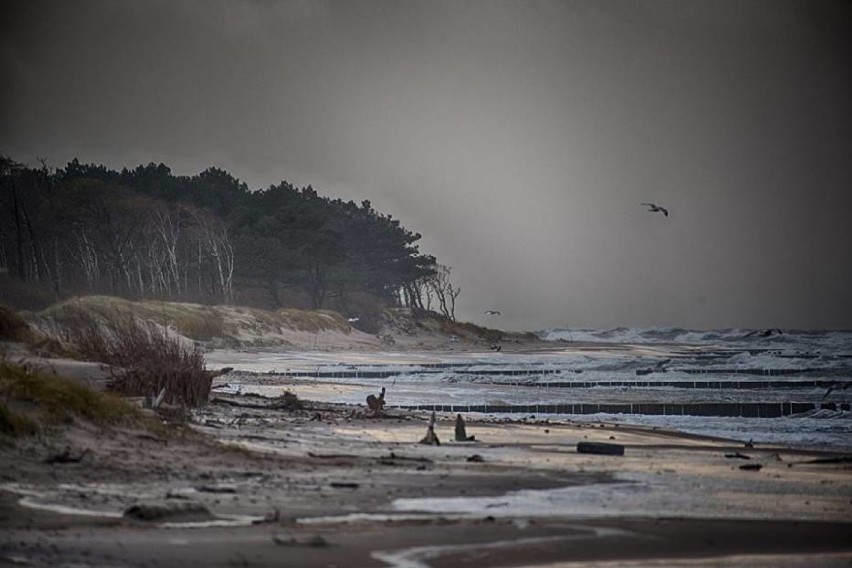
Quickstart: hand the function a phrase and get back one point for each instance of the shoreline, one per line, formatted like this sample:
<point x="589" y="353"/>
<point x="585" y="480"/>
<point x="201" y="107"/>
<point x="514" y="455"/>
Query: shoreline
<point x="306" y="476"/>
<point x="243" y="481"/>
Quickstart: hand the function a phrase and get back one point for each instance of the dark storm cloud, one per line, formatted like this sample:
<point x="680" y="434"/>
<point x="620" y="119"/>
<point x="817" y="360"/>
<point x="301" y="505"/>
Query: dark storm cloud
<point x="518" y="137"/>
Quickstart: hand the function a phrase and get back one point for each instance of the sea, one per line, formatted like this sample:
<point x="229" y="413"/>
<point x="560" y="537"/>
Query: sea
<point x="761" y="386"/>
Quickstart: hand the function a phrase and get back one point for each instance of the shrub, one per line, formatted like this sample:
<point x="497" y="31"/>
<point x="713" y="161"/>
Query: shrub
<point x="148" y="358"/>
<point x="288" y="401"/>
<point x="152" y="360"/>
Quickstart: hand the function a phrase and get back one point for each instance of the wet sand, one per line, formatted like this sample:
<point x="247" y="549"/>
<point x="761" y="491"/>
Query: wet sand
<point x="329" y="486"/>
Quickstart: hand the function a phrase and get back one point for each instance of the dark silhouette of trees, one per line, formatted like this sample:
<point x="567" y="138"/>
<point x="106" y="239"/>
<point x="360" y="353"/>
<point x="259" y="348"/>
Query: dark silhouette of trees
<point x="147" y="233"/>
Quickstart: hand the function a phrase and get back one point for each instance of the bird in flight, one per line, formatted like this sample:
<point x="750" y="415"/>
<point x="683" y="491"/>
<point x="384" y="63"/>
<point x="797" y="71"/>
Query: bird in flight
<point x="654" y="208"/>
<point x="492" y="312"/>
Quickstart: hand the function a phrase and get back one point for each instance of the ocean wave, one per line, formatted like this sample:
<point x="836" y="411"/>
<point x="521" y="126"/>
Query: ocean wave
<point x="765" y="338"/>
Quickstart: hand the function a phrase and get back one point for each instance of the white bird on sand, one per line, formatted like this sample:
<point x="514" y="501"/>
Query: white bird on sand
<point x="492" y="312"/>
<point x="654" y="208"/>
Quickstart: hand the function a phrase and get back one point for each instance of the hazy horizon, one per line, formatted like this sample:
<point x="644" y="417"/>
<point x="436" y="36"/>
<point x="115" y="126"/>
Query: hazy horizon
<point x="519" y="138"/>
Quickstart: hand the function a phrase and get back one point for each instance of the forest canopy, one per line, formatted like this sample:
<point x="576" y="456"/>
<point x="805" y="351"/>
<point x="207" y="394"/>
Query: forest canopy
<point x="148" y="233"/>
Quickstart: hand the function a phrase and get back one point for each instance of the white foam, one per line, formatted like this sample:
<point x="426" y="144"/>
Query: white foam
<point x="30" y="503"/>
<point x="418" y="556"/>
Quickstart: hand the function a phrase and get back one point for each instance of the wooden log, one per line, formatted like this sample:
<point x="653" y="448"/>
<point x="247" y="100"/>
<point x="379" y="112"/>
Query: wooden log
<point x="431" y="439"/>
<point x="600" y="448"/>
<point x="461" y="432"/>
<point x="173" y="512"/>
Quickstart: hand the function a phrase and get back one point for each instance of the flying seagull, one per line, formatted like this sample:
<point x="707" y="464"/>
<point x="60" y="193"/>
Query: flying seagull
<point x="492" y="312"/>
<point x="654" y="208"/>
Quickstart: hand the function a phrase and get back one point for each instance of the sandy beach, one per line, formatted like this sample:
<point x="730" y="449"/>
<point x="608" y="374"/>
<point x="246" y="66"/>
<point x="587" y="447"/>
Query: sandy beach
<point x="329" y="485"/>
<point x="426" y="284"/>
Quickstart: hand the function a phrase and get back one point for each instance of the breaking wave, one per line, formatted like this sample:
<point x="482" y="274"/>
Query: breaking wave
<point x="763" y="337"/>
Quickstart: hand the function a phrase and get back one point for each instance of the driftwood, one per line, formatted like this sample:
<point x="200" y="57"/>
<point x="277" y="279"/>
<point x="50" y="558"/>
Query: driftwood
<point x="461" y="431"/>
<point x="600" y="448"/>
<point x="314" y="541"/>
<point x="272" y="517"/>
<point x="174" y="512"/>
<point x="332" y="456"/>
<point x="210" y="375"/>
<point x="238" y="403"/>
<point x="155" y="402"/>
<point x="391" y="457"/>
<point x="216" y="489"/>
<point x="287" y="401"/>
<point x="832" y="459"/>
<point x="431" y="439"/>
<point x="751" y="467"/>
<point x="65" y="456"/>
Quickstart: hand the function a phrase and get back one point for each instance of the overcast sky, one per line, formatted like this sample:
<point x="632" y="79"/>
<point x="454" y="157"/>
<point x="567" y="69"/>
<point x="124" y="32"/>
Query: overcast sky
<point x="519" y="137"/>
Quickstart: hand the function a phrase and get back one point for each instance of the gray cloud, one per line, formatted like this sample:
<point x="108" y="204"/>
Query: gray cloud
<point x="518" y="137"/>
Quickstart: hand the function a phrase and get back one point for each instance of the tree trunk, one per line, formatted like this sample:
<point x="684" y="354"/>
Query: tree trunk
<point x="19" y="235"/>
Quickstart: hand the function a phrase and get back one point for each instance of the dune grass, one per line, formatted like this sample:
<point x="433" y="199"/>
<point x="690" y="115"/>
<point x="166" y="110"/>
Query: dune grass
<point x="195" y="321"/>
<point x="311" y="321"/>
<point x="33" y="397"/>
<point x="144" y="340"/>
<point x="442" y="324"/>
<point x="471" y="330"/>
<point x="13" y="327"/>
<point x="14" y="424"/>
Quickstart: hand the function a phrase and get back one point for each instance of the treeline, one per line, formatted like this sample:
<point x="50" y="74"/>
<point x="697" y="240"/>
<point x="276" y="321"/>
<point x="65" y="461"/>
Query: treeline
<point x="147" y="233"/>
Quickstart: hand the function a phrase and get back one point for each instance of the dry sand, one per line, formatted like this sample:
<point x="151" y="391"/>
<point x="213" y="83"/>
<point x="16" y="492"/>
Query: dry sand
<point x="330" y="486"/>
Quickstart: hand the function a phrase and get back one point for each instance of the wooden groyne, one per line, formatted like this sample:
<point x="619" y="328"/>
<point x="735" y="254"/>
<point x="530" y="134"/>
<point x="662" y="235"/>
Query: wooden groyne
<point x="533" y="372"/>
<point x="714" y="385"/>
<point x="732" y="409"/>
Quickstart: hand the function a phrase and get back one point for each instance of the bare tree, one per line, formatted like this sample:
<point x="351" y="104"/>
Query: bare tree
<point x="166" y="267"/>
<point x="213" y="239"/>
<point x="442" y="287"/>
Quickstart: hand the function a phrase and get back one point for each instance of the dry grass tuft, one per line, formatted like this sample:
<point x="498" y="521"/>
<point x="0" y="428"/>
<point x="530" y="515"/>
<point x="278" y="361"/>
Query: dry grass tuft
<point x="466" y="329"/>
<point x="288" y="401"/>
<point x="14" y="424"/>
<point x="150" y="359"/>
<point x="56" y="398"/>
<point x="153" y="361"/>
<point x="13" y="327"/>
<point x="232" y="448"/>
